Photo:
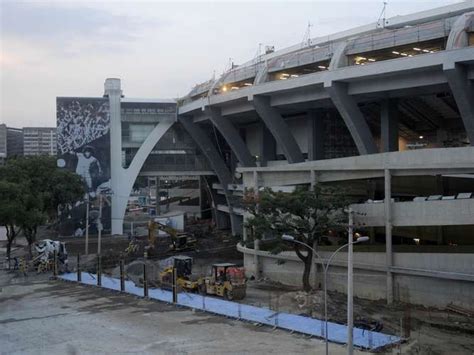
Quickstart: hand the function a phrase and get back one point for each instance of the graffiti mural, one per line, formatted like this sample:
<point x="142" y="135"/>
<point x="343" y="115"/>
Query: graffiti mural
<point x="83" y="137"/>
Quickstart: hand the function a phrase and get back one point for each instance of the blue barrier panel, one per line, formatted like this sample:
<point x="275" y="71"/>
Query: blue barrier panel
<point x="337" y="333"/>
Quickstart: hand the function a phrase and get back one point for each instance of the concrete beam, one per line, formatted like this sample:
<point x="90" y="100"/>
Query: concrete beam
<point x="232" y="137"/>
<point x="457" y="212"/>
<point x="463" y="94"/>
<point x="279" y="129"/>
<point x="352" y="116"/>
<point x="424" y="68"/>
<point x="389" y="125"/>
<point x="215" y="161"/>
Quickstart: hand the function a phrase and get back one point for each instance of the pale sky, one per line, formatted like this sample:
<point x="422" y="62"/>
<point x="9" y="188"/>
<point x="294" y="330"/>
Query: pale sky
<point x="158" y="49"/>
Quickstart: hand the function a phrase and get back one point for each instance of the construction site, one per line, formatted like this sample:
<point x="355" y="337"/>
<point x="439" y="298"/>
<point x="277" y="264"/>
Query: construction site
<point x="202" y="260"/>
<point x="317" y="198"/>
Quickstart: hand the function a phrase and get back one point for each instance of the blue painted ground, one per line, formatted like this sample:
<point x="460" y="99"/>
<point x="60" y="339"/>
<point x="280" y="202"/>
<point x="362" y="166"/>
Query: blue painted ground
<point x="336" y="332"/>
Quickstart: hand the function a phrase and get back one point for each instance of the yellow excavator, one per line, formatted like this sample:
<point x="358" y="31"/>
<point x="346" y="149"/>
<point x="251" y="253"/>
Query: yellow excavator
<point x="179" y="241"/>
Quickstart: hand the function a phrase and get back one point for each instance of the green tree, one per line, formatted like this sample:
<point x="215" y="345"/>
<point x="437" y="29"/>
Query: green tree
<point x="304" y="214"/>
<point x="11" y="209"/>
<point x="38" y="187"/>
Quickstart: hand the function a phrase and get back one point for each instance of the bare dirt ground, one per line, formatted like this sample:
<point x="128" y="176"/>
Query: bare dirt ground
<point x="38" y="316"/>
<point x="432" y="331"/>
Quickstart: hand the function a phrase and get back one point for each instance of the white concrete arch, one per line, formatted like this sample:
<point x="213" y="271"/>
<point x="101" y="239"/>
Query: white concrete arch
<point x="122" y="179"/>
<point x="124" y="183"/>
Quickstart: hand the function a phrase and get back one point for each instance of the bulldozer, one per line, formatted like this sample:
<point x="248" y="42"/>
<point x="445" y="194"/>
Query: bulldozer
<point x="227" y="280"/>
<point x="179" y="241"/>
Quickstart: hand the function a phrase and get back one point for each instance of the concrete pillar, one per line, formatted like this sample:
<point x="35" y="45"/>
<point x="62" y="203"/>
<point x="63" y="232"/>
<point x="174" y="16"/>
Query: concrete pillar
<point x="315" y="132"/>
<point x="279" y="129"/>
<point x="217" y="164"/>
<point x="371" y="187"/>
<point x="157" y="195"/>
<point x="232" y="137"/>
<point x="352" y="116"/>
<point x="256" y="241"/>
<point x="312" y="179"/>
<point x="388" y="234"/>
<point x="440" y="191"/>
<point x="256" y="262"/>
<point x="113" y="90"/>
<point x="463" y="93"/>
<point x="266" y="146"/>
<point x="389" y="125"/>
<point x="122" y="180"/>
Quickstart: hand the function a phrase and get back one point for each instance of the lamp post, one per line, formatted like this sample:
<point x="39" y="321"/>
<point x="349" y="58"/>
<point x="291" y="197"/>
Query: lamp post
<point x="87" y="224"/>
<point x="99" y="221"/>
<point x="326" y="265"/>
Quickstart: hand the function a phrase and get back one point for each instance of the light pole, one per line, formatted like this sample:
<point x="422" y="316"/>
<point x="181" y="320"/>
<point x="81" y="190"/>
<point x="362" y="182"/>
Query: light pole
<point x="99" y="226"/>
<point x="326" y="265"/>
<point x="99" y="221"/>
<point x="87" y="225"/>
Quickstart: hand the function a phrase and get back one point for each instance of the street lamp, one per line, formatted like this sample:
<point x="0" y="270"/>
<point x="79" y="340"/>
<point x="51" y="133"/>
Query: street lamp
<point x="326" y="265"/>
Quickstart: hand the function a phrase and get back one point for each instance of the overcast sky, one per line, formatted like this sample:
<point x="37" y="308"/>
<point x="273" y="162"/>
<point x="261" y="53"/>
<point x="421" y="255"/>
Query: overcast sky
<point x="158" y="49"/>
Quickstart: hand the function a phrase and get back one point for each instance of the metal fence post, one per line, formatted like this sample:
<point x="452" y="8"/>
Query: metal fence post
<point x="122" y="276"/>
<point x="79" y="275"/>
<point x="99" y="270"/>
<point x="174" y="286"/>
<point x="145" y="282"/>
<point x="55" y="265"/>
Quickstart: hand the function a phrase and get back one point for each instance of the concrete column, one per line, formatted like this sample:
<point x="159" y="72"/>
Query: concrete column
<point x="256" y="263"/>
<point x="256" y="241"/>
<point x="312" y="179"/>
<point x="157" y="195"/>
<point x="440" y="191"/>
<point x="388" y="234"/>
<point x="122" y="180"/>
<point x="463" y="93"/>
<point x="279" y="129"/>
<point x="113" y="90"/>
<point x="389" y="125"/>
<point x="315" y="131"/>
<point x="266" y="146"/>
<point x="352" y="116"/>
<point x="216" y="162"/>
<point x="371" y="186"/>
<point x="232" y="137"/>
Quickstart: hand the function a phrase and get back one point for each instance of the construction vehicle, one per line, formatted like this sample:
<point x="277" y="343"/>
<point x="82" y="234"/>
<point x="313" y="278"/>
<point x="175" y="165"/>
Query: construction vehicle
<point x="45" y="251"/>
<point x="184" y="278"/>
<point x="227" y="280"/>
<point x="179" y="241"/>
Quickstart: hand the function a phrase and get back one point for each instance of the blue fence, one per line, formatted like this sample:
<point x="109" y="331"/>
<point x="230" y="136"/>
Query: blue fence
<point x="336" y="332"/>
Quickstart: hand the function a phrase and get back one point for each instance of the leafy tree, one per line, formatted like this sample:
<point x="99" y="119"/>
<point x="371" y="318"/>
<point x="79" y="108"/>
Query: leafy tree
<point x="11" y="209"/>
<point x="306" y="215"/>
<point x="35" y="187"/>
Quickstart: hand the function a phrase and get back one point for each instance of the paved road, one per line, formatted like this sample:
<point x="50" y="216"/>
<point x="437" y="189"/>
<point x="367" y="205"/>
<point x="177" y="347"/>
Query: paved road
<point x="53" y="317"/>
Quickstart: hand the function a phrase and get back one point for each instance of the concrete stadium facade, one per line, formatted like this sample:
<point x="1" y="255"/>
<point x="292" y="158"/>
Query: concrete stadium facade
<point x="387" y="109"/>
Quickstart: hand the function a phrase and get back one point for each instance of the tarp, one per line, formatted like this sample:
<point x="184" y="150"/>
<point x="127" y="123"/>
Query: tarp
<point x="336" y="332"/>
